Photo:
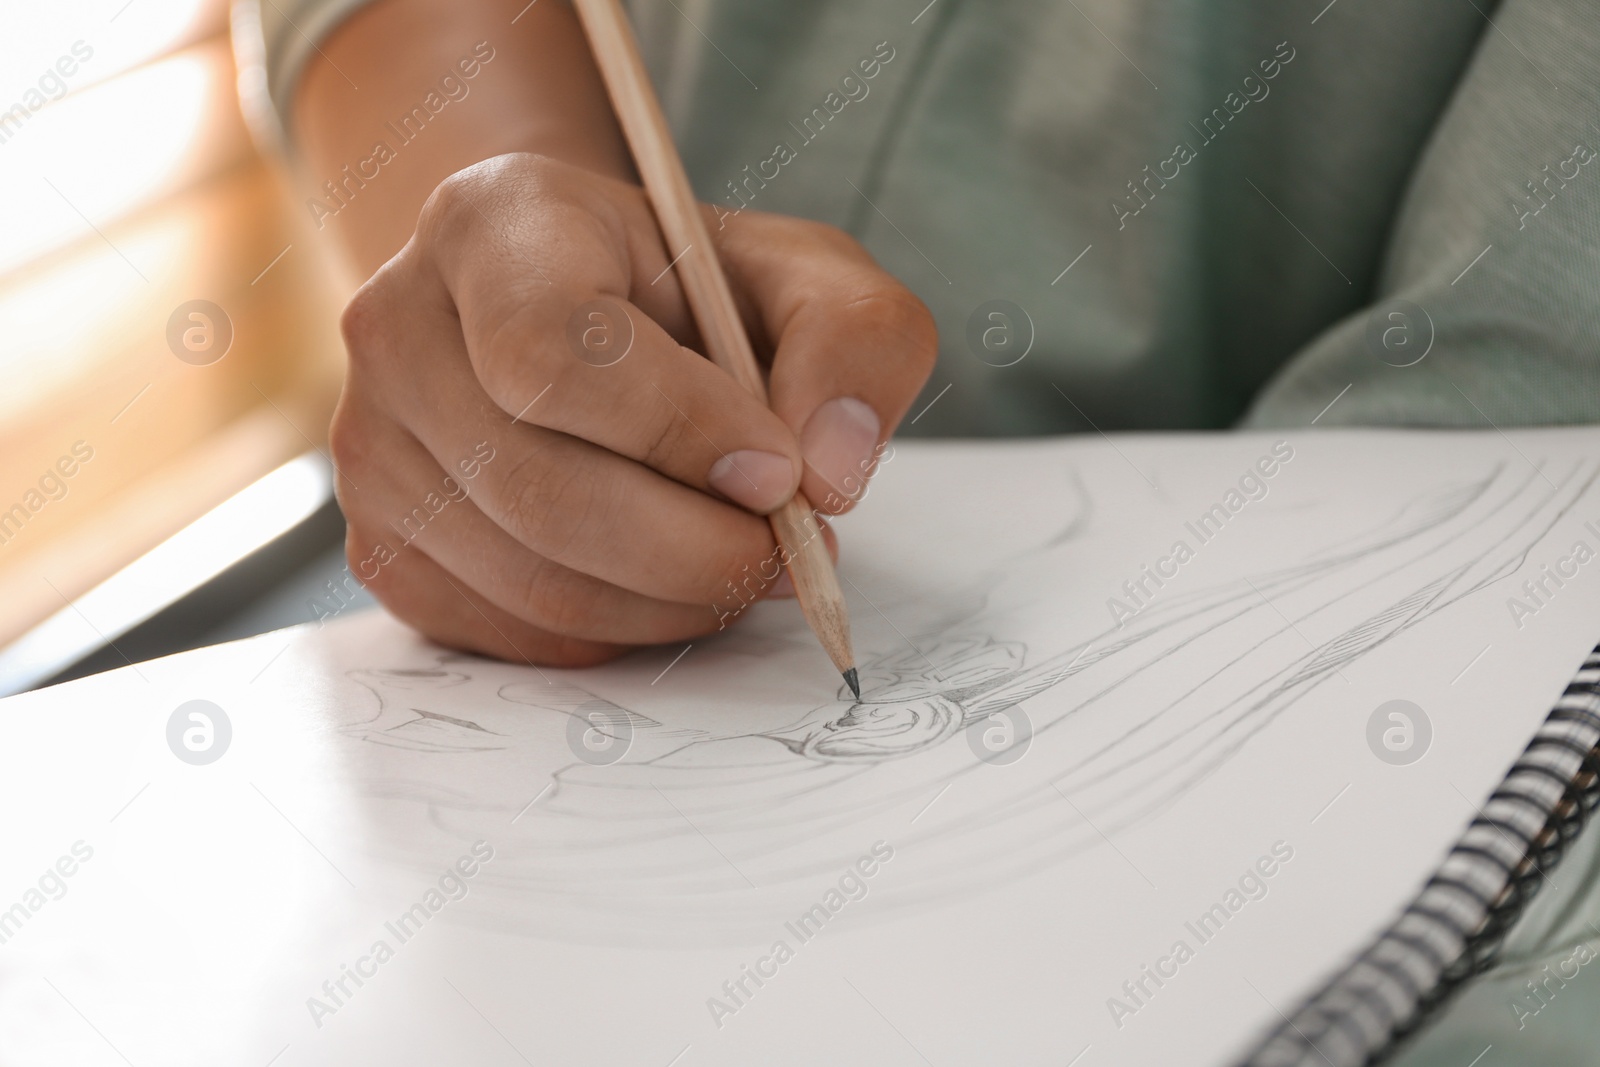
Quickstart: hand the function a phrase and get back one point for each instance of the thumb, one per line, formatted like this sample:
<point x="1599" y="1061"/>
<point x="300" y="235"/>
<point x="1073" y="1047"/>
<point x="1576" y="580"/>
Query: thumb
<point x="852" y="346"/>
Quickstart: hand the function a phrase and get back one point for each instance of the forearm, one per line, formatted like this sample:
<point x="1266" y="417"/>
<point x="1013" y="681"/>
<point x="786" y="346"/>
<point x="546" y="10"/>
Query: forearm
<point x="537" y="91"/>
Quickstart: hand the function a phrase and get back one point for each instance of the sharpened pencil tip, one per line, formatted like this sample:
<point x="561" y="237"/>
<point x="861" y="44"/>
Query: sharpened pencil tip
<point x="853" y="682"/>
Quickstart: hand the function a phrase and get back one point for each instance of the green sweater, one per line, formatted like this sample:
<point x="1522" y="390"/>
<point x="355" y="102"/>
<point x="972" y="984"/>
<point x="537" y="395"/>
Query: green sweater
<point x="1245" y="193"/>
<point x="1197" y="213"/>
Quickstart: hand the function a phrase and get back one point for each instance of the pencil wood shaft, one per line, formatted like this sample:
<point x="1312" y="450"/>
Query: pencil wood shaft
<point x="710" y="299"/>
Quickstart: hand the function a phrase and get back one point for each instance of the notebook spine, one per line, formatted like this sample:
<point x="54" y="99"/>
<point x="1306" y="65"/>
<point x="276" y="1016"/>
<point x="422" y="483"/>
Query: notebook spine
<point x="1454" y="928"/>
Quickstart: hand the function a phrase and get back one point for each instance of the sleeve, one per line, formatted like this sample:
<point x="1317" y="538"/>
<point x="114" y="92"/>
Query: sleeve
<point x="273" y="40"/>
<point x="1487" y="309"/>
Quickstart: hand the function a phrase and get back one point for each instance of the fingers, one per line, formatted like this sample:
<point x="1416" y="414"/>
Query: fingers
<point x="657" y="403"/>
<point x="852" y="346"/>
<point x="422" y="595"/>
<point x="415" y="505"/>
<point x="575" y="355"/>
<point x="565" y="499"/>
<point x="552" y="473"/>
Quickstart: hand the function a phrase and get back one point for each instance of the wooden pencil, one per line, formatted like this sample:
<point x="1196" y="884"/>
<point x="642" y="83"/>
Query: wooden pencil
<point x="616" y="52"/>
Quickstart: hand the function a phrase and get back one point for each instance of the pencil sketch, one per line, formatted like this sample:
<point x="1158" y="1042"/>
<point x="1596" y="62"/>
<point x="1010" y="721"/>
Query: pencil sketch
<point x="683" y="810"/>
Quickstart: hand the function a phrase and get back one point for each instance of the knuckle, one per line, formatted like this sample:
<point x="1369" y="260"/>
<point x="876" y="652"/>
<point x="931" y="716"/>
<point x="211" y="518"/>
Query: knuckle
<point x="836" y="240"/>
<point x="508" y="358"/>
<point x="459" y="209"/>
<point x="451" y="205"/>
<point x="533" y="171"/>
<point x="354" y="553"/>
<point x="463" y="202"/>
<point x="809" y="233"/>
<point x="668" y="442"/>
<point x="360" y="553"/>
<point x="550" y="506"/>
<point x="896" y="314"/>
<point x="347" y="438"/>
<point x="364" y="324"/>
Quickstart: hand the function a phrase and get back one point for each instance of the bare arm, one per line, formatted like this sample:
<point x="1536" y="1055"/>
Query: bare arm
<point x="540" y="93"/>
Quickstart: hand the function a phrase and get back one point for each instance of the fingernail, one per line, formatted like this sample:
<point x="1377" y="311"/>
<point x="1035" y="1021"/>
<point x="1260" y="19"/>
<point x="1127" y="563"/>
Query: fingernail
<point x="756" y="480"/>
<point x="838" y="443"/>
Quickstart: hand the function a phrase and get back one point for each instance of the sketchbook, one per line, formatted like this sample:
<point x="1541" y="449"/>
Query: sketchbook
<point x="1171" y="749"/>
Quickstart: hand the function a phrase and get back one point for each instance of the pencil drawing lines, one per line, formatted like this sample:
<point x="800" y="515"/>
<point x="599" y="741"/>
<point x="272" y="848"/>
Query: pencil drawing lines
<point x="1126" y="720"/>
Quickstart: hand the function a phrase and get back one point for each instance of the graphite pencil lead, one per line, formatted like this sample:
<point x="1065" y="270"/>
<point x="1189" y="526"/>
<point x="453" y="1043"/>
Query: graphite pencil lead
<point x="853" y="682"/>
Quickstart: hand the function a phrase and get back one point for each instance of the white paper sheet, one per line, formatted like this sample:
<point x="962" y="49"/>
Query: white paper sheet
<point x="1073" y="820"/>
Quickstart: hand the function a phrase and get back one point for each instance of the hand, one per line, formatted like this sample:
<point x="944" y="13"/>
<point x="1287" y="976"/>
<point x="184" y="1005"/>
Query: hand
<point x="519" y="483"/>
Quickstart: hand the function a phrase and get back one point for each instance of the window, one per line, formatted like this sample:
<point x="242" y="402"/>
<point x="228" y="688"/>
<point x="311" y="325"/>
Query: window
<point x="166" y="324"/>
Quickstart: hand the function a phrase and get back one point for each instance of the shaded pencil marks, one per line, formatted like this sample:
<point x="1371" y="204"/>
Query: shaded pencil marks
<point x="1125" y="721"/>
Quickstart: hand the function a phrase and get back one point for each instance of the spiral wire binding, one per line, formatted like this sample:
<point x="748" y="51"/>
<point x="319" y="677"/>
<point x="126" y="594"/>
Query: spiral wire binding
<point x="1454" y="928"/>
